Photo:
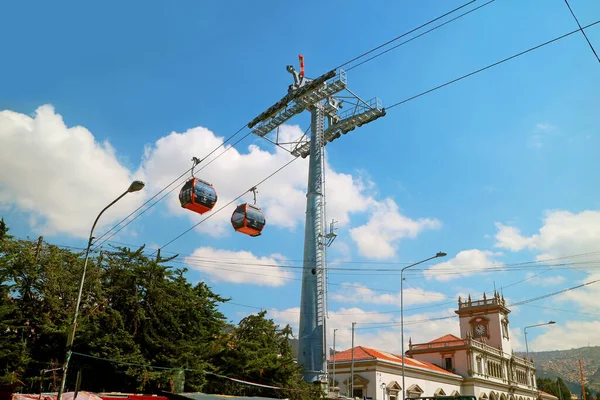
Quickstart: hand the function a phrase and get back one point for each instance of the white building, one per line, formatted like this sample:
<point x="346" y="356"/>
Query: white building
<point x="480" y="363"/>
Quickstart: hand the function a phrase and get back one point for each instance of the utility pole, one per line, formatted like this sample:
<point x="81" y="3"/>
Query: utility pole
<point x="327" y="124"/>
<point x="352" y="365"/>
<point x="582" y="381"/>
<point x="333" y="379"/>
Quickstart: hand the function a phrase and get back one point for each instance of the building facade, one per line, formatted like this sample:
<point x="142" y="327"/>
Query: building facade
<point x="481" y="362"/>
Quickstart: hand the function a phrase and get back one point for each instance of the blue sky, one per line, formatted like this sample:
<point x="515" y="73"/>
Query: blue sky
<point x="498" y="168"/>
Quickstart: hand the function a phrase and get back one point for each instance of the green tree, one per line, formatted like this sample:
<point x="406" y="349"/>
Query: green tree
<point x="173" y="324"/>
<point x="258" y="350"/>
<point x="14" y="355"/>
<point x="556" y="387"/>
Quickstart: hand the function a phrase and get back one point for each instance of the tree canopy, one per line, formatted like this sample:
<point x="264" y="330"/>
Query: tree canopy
<point x="135" y="312"/>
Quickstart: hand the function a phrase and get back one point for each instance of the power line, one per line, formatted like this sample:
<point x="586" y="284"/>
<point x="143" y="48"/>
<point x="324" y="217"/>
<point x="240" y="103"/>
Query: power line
<point x="523" y="302"/>
<point x="563" y="310"/>
<point x="183" y="369"/>
<point x="491" y="65"/>
<point x="204" y="262"/>
<point x="419" y="35"/>
<point x="402" y="35"/>
<point x="582" y="31"/>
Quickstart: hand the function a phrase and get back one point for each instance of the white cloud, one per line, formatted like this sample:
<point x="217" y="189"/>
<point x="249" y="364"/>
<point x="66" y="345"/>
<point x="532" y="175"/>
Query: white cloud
<point x="535" y="279"/>
<point x="566" y="335"/>
<point x="379" y="236"/>
<point x="283" y="196"/>
<point x="361" y="294"/>
<point x="239" y="266"/>
<point x="466" y="263"/>
<point x="562" y="234"/>
<point x="60" y="175"/>
<point x="544" y="127"/>
<point x="540" y="134"/>
<point x="586" y="298"/>
<point x="517" y="339"/>
<point x="571" y="237"/>
<point x="382" y="330"/>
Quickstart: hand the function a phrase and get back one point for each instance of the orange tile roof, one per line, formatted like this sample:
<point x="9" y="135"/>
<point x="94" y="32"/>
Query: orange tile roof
<point x="439" y="342"/>
<point x="446" y="338"/>
<point x="366" y="353"/>
<point x="547" y="394"/>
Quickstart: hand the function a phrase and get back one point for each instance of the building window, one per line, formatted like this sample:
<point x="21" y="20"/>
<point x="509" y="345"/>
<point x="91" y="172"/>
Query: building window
<point x="479" y="367"/>
<point x="448" y="363"/>
<point x="357" y="393"/>
<point x="505" y="328"/>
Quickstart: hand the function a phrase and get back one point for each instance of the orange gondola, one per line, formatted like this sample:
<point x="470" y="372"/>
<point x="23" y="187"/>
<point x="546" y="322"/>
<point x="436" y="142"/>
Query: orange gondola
<point x="248" y="218"/>
<point x="197" y="195"/>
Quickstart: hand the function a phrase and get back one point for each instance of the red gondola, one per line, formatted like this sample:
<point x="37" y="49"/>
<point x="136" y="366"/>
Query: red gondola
<point x="197" y="195"/>
<point x="248" y="218"/>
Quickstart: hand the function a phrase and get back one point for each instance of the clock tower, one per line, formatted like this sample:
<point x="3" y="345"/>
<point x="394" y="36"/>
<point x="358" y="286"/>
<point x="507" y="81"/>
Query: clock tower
<point x="486" y="320"/>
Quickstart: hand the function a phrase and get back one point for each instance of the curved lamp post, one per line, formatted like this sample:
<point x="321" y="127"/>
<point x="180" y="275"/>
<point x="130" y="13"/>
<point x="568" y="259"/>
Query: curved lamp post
<point x="438" y="255"/>
<point x="134" y="187"/>
<point x="527" y="350"/>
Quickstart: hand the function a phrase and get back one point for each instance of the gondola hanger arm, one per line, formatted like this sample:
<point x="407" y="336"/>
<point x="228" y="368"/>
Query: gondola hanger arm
<point x="254" y="191"/>
<point x="195" y="161"/>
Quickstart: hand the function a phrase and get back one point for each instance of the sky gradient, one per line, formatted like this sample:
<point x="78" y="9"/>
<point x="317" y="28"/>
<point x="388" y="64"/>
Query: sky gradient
<point x="496" y="170"/>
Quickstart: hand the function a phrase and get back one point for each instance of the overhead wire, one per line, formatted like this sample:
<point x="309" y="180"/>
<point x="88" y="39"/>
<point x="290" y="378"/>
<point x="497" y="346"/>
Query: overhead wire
<point x="418" y="36"/>
<point x="523" y="302"/>
<point x="403" y="35"/>
<point x="419" y="307"/>
<point x="174" y="188"/>
<point x="582" y="31"/>
<point x="173" y="182"/>
<point x="491" y="65"/>
<point x="223" y="207"/>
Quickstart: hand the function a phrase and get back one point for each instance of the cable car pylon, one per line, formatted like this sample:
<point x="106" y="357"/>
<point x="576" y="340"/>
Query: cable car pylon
<point x="327" y="124"/>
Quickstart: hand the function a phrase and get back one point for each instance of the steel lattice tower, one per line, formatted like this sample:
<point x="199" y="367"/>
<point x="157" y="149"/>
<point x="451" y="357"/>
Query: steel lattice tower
<point x="327" y="124"/>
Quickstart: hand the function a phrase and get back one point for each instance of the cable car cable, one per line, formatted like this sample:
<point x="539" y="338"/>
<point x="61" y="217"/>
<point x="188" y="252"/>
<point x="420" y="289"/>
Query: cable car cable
<point x="418" y="36"/>
<point x="176" y="179"/>
<point x="354" y="59"/>
<point x="174" y="188"/>
<point x="402" y="35"/>
<point x="491" y="65"/>
<point x="226" y="205"/>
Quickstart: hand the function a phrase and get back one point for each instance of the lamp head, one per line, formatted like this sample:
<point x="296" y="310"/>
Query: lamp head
<point x="136" y="186"/>
<point x="440" y="254"/>
<point x="551" y="322"/>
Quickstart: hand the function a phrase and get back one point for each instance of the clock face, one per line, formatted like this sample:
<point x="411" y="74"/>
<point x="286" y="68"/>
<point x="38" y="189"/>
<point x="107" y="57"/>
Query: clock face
<point x="480" y="329"/>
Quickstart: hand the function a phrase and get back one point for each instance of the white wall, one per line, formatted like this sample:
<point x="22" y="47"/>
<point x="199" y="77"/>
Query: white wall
<point x="387" y="374"/>
<point x="459" y="360"/>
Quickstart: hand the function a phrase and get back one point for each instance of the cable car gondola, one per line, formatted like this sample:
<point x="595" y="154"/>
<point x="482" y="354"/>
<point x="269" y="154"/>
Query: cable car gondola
<point x="197" y="195"/>
<point x="248" y="218"/>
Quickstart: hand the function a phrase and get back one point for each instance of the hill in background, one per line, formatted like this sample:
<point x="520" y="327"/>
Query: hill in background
<point x="565" y="363"/>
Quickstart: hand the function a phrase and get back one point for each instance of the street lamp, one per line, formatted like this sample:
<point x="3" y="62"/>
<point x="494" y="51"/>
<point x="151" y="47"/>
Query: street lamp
<point x="438" y="255"/>
<point x="527" y="350"/>
<point x="134" y="187"/>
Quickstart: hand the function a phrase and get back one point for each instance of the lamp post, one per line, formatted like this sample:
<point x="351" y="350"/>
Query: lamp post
<point x="527" y="350"/>
<point x="134" y="187"/>
<point x="438" y="255"/>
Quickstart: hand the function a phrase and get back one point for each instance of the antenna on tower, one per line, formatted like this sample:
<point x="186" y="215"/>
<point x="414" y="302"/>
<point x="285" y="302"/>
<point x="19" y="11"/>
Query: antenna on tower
<point x="330" y="237"/>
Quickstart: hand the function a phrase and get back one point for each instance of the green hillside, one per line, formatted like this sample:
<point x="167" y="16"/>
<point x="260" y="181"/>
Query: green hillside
<point x="565" y="363"/>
